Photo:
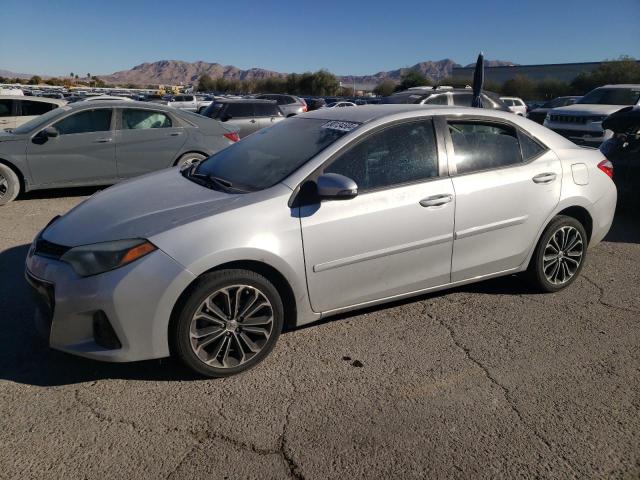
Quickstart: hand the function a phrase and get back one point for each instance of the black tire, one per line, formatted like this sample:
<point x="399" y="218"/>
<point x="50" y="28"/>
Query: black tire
<point x="536" y="272"/>
<point x="189" y="158"/>
<point x="180" y="332"/>
<point x="9" y="185"/>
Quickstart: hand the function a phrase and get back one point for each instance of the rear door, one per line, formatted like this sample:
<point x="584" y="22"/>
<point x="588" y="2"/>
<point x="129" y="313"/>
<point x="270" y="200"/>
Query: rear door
<point x="239" y="116"/>
<point x="82" y="154"/>
<point x="266" y="114"/>
<point x="8" y="112"/>
<point x="506" y="184"/>
<point x="146" y="140"/>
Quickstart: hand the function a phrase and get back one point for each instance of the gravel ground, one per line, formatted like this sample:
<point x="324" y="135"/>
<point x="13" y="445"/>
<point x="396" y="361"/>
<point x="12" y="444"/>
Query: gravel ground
<point x="485" y="381"/>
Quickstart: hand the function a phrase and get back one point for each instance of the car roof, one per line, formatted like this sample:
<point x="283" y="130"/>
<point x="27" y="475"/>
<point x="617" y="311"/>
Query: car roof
<point x="622" y="85"/>
<point x="368" y="113"/>
<point x="119" y="103"/>
<point x="245" y="100"/>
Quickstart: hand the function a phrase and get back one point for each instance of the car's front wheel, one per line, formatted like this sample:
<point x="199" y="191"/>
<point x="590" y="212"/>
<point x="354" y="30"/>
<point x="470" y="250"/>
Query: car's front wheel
<point x="229" y="323"/>
<point x="9" y="185"/>
<point x="559" y="255"/>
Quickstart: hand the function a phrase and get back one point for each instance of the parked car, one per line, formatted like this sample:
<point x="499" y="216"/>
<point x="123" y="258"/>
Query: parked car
<point x="17" y="110"/>
<point x="582" y="121"/>
<point x="333" y="211"/>
<point x="314" y="103"/>
<point x="339" y="105"/>
<point x="184" y="102"/>
<point x="100" y="143"/>
<point x="245" y="115"/>
<point x="289" y="104"/>
<point x="538" y="114"/>
<point x="623" y="149"/>
<point x="461" y="97"/>
<point x="516" y="105"/>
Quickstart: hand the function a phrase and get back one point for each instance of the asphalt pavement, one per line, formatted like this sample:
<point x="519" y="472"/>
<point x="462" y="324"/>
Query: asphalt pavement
<point x="486" y="381"/>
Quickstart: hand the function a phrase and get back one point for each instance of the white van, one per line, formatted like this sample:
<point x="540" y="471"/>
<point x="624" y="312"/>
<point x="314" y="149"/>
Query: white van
<point x="16" y="110"/>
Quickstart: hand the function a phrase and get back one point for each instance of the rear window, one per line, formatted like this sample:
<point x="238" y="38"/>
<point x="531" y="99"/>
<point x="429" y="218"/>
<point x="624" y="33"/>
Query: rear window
<point x="266" y="110"/>
<point x="239" y="110"/>
<point x="270" y="155"/>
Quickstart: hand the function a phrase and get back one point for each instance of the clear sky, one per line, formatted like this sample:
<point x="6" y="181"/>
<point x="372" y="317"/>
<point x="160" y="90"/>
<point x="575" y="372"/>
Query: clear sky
<point x="347" y="37"/>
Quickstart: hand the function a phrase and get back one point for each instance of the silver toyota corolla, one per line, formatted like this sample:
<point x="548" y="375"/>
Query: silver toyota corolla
<point x="326" y="212"/>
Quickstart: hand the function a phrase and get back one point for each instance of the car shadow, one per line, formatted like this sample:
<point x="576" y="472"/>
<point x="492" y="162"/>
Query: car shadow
<point x="625" y="228"/>
<point x="26" y="358"/>
<point x="61" y="192"/>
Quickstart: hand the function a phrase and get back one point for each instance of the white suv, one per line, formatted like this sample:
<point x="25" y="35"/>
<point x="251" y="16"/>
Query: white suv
<point x="516" y="105"/>
<point x="16" y="110"/>
<point x="582" y="121"/>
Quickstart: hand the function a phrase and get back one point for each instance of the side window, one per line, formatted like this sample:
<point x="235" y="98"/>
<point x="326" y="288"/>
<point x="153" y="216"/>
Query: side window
<point x="87" y="121"/>
<point x="440" y="99"/>
<point x="266" y="110"/>
<point x="188" y="98"/>
<point x="396" y="155"/>
<point x="30" y="108"/>
<point x="6" y="107"/>
<point x="240" y="110"/>
<point x="530" y="147"/>
<point x="178" y="98"/>
<point x="482" y="146"/>
<point x="133" y="119"/>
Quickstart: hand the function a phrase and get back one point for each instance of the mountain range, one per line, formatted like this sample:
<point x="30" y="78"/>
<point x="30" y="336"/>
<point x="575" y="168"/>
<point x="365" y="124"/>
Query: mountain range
<point x="177" y="72"/>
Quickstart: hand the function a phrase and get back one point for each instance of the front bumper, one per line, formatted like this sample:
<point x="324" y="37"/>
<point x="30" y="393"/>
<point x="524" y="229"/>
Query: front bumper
<point x="136" y="299"/>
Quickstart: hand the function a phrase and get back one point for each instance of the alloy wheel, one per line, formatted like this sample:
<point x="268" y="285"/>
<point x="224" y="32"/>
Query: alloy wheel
<point x="231" y="326"/>
<point x="563" y="255"/>
<point x="4" y="186"/>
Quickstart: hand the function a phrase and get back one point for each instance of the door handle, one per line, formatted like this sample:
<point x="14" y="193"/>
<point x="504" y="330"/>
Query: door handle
<point x="102" y="140"/>
<point x="436" y="200"/>
<point x="547" y="177"/>
<point x="252" y="121"/>
<point x="175" y="134"/>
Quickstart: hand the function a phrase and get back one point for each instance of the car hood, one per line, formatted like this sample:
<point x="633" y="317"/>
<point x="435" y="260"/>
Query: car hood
<point x="587" y="109"/>
<point x="139" y="208"/>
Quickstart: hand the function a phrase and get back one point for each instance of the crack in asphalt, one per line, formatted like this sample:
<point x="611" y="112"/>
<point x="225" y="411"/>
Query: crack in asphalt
<point x="505" y="391"/>
<point x="601" y="297"/>
<point x="97" y="414"/>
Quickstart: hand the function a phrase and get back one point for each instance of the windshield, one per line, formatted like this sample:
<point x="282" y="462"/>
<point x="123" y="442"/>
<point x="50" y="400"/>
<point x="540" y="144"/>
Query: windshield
<point x="268" y="156"/>
<point x="39" y="121"/>
<point x="612" y="96"/>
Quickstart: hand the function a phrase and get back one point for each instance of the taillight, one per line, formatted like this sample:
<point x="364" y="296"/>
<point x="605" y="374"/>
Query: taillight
<point x="607" y="167"/>
<point x="304" y="105"/>
<point x="233" y="136"/>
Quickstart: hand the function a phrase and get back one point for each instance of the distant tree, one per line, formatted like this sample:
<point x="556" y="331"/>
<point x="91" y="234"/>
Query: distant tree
<point x="206" y="83"/>
<point x="623" y="70"/>
<point x="385" y="88"/>
<point x="324" y="83"/>
<point x="412" y="78"/>
<point x="71" y="75"/>
<point x="550" y="88"/>
<point x="35" y="80"/>
<point x="520" y="86"/>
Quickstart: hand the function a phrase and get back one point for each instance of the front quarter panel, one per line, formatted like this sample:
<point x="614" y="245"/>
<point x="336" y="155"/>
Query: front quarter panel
<point x="266" y="230"/>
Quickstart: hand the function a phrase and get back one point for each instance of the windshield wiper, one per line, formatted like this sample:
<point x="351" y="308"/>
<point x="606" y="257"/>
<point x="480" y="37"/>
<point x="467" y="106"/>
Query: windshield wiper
<point x="213" y="181"/>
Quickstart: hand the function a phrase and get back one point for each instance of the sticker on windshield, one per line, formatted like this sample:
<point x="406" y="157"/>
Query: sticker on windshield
<point x="341" y="126"/>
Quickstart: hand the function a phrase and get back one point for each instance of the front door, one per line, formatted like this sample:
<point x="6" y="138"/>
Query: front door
<point x="507" y="184"/>
<point x="146" y="140"/>
<point x="396" y="236"/>
<point x="82" y="154"/>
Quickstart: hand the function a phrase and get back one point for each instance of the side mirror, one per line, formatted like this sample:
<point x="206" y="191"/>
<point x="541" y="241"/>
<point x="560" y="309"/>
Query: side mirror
<point x="336" y="186"/>
<point x="50" y="132"/>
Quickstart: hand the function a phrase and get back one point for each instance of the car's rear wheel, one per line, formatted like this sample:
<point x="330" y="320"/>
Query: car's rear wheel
<point x="229" y="323"/>
<point x="188" y="159"/>
<point x="559" y="255"/>
<point x="9" y="185"/>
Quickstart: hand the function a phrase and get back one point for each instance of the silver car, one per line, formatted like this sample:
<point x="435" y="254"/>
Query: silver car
<point x="331" y="211"/>
<point x="100" y="143"/>
<point x="289" y="104"/>
<point x="245" y="115"/>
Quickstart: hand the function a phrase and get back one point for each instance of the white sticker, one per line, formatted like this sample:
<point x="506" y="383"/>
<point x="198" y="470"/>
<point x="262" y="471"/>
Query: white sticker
<point x="341" y="126"/>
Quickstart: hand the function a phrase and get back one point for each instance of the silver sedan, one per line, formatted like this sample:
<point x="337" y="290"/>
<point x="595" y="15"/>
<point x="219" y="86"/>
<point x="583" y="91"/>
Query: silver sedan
<point x="100" y="143"/>
<point x="326" y="212"/>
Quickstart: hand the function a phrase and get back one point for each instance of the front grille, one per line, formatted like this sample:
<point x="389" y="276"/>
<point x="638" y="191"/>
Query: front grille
<point x="578" y="119"/>
<point x="48" y="249"/>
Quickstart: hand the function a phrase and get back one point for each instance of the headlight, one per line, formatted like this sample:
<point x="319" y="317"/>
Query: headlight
<point x="97" y="258"/>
